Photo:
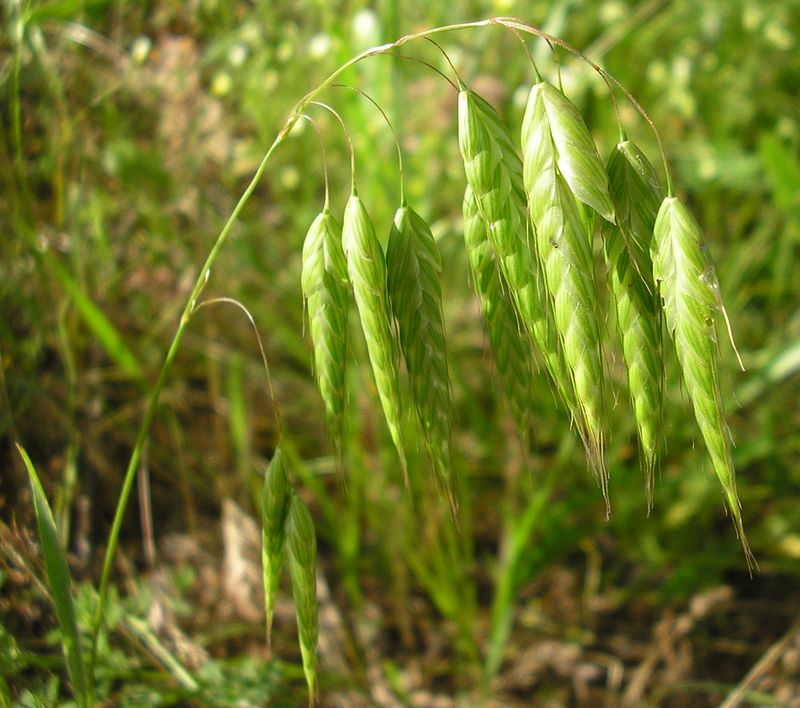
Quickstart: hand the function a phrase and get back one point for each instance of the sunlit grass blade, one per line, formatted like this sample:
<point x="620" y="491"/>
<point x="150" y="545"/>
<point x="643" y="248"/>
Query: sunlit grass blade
<point x="275" y="499"/>
<point x="325" y="288"/>
<point x="366" y="266"/>
<point x="563" y="246"/>
<point x="636" y="196"/>
<point x="60" y="581"/>
<point x="414" y="271"/>
<point x="509" y="342"/>
<point x="692" y="302"/>
<point x="97" y="321"/>
<point x="301" y="544"/>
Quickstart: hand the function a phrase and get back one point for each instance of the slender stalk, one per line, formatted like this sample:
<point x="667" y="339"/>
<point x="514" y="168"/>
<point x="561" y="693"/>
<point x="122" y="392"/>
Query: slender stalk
<point x="152" y="405"/>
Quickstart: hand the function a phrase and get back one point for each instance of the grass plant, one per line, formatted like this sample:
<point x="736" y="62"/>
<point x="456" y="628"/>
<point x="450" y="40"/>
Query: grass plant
<point x="537" y="211"/>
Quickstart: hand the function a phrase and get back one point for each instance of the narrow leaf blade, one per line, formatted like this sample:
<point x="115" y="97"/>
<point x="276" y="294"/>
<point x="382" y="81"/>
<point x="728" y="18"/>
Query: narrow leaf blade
<point x="59" y="579"/>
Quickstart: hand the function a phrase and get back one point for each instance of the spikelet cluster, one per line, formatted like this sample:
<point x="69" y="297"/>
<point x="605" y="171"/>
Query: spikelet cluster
<point x="287" y="525"/>
<point x="494" y="173"/>
<point x="561" y="168"/>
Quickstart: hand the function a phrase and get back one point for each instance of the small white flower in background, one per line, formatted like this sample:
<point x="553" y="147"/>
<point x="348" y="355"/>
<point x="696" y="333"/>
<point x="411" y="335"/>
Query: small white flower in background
<point x="319" y="45"/>
<point x="237" y="54"/>
<point x="786" y="127"/>
<point x="251" y="34"/>
<point x="457" y="56"/>
<point x="752" y="17"/>
<point x="221" y="84"/>
<point x="682" y="69"/>
<point x="140" y="49"/>
<point x="365" y="28"/>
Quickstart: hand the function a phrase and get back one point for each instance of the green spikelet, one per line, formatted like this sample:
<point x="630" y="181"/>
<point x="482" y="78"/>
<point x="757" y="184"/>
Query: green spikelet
<point x="554" y="147"/>
<point x="367" y="270"/>
<point x="301" y="546"/>
<point x="691" y="300"/>
<point x="414" y="270"/>
<point x="572" y="147"/>
<point x="494" y="173"/>
<point x="510" y="344"/>
<point x="636" y="196"/>
<point x="274" y="508"/>
<point x="325" y="289"/>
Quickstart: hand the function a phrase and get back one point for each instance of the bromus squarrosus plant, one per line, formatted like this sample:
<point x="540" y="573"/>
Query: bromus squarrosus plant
<point x="536" y="208"/>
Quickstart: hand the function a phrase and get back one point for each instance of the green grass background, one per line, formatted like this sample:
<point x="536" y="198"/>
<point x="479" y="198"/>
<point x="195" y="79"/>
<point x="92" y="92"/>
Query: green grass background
<point x="128" y="131"/>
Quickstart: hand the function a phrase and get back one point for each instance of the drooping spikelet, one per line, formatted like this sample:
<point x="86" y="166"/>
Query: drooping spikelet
<point x="636" y="196"/>
<point x="301" y="546"/>
<point x="366" y="267"/>
<point x="325" y="289"/>
<point x="494" y="173"/>
<point x="509" y="342"/>
<point x="275" y="499"/>
<point x="414" y="270"/>
<point x="691" y="299"/>
<point x="561" y="163"/>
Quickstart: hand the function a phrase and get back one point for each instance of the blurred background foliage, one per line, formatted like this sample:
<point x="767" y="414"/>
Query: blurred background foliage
<point x="128" y="130"/>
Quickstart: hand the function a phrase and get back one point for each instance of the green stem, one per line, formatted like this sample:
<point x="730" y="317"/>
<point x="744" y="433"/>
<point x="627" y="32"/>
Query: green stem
<point x="152" y="405"/>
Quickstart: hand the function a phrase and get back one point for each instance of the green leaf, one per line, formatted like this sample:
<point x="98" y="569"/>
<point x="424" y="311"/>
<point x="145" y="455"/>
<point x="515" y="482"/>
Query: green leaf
<point x="59" y="579"/>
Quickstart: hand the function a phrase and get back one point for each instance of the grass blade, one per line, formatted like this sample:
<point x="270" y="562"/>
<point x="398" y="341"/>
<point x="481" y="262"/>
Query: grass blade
<point x="59" y="579"/>
<point x="108" y="335"/>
